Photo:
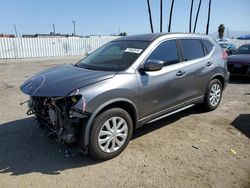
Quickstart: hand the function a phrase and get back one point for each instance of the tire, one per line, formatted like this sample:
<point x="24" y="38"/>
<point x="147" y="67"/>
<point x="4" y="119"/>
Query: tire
<point x="213" y="95"/>
<point x="107" y="141"/>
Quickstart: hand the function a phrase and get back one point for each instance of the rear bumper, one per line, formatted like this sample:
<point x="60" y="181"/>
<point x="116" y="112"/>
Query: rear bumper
<point x="239" y="69"/>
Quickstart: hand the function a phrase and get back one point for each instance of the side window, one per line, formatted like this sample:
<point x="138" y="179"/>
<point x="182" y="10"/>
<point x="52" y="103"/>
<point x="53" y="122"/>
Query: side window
<point x="191" y="48"/>
<point x="167" y="52"/>
<point x="208" y="46"/>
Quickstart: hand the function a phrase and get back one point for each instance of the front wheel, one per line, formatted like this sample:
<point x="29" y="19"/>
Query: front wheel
<point x="110" y="133"/>
<point x="213" y="95"/>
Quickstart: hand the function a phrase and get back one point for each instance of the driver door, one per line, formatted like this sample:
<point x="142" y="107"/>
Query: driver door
<point x="160" y="90"/>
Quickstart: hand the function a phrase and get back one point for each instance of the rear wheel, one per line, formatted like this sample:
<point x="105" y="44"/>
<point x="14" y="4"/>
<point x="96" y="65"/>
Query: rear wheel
<point x="110" y="133"/>
<point x="213" y="95"/>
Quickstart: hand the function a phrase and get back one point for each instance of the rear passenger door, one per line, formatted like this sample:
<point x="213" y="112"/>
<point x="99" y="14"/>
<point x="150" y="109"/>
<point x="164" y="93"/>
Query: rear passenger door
<point x="197" y="65"/>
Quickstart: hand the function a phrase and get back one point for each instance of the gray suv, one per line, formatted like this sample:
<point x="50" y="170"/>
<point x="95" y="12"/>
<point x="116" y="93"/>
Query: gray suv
<point x="99" y="101"/>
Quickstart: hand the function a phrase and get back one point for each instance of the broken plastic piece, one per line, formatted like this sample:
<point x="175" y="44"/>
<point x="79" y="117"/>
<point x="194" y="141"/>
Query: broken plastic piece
<point x="195" y="147"/>
<point x="234" y="152"/>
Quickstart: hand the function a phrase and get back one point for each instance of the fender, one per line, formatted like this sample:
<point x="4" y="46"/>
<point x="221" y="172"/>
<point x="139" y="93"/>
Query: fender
<point x="223" y="76"/>
<point x="92" y="117"/>
<point x="212" y="77"/>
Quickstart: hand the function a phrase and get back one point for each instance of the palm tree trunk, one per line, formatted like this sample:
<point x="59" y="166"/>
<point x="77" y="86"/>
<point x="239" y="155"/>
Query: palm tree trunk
<point x="160" y="15"/>
<point x="208" y="17"/>
<point x="170" y="16"/>
<point x="190" y="18"/>
<point x="197" y="15"/>
<point x="150" y="17"/>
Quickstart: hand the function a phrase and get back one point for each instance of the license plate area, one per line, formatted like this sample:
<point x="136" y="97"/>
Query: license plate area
<point x="237" y="66"/>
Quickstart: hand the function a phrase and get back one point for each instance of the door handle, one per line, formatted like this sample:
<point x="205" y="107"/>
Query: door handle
<point x="180" y="73"/>
<point x="209" y="64"/>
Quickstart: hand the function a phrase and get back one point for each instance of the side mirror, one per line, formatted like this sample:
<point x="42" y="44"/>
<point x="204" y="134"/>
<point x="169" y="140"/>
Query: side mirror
<point x="153" y="65"/>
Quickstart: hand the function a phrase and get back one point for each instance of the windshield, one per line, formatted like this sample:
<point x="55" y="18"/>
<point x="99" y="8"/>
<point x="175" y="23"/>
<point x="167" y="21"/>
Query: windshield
<point x="114" y="56"/>
<point x="245" y="49"/>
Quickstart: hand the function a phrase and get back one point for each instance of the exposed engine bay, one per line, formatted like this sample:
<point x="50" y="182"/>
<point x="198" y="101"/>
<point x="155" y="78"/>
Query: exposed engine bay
<point x="59" y="116"/>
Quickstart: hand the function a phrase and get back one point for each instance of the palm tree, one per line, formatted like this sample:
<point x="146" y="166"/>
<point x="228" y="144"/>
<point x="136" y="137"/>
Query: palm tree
<point x="197" y="15"/>
<point x="221" y="30"/>
<point x="170" y="16"/>
<point x="160" y="15"/>
<point x="150" y="17"/>
<point x="190" y="18"/>
<point x="208" y="17"/>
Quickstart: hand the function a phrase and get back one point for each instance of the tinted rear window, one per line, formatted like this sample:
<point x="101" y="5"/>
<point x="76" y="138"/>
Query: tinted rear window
<point x="208" y="45"/>
<point x="244" y="49"/>
<point x="191" y="48"/>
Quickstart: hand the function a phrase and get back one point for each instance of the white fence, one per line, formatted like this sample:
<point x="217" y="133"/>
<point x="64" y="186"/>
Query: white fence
<point x="58" y="46"/>
<point x="49" y="47"/>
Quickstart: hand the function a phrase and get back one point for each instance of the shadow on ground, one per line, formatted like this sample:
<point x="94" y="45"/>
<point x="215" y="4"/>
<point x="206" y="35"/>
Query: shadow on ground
<point x="242" y="123"/>
<point x="166" y="121"/>
<point x="24" y="147"/>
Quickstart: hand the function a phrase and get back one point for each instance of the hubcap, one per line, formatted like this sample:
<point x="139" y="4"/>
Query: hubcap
<point x="215" y="95"/>
<point x="113" y="134"/>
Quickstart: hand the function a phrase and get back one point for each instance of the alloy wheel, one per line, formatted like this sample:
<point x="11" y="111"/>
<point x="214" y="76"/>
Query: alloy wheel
<point x="215" y="95"/>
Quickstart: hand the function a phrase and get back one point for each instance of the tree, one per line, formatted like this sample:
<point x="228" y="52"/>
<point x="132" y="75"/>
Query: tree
<point x="197" y="15"/>
<point x="150" y="17"/>
<point x="208" y="17"/>
<point x="221" y="30"/>
<point x="170" y="16"/>
<point x="190" y="18"/>
<point x="122" y="34"/>
<point x="160" y="15"/>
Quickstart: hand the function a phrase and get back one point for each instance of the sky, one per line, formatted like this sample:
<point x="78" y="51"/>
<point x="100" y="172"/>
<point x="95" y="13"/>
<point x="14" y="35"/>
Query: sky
<point x="105" y="17"/>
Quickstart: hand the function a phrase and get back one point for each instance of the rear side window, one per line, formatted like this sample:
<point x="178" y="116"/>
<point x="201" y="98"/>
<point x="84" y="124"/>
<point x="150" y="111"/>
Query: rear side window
<point x="191" y="49"/>
<point x="167" y="52"/>
<point x="208" y="46"/>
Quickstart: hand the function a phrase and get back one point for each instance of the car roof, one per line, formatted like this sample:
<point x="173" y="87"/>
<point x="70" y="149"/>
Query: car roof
<point x="152" y="36"/>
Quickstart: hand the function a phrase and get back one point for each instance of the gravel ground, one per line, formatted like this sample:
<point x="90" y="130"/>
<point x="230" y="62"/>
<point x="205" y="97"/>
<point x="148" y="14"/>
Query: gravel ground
<point x="188" y="149"/>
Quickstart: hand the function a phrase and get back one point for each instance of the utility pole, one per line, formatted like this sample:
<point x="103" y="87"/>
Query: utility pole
<point x="74" y="27"/>
<point x="54" y="29"/>
<point x="227" y="32"/>
<point x="15" y="30"/>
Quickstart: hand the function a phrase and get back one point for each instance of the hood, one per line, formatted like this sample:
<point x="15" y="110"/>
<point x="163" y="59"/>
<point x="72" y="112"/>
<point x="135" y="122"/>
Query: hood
<point x="239" y="58"/>
<point x="61" y="80"/>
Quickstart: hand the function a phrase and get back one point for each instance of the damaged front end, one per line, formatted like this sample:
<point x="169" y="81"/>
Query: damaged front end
<point x="59" y="115"/>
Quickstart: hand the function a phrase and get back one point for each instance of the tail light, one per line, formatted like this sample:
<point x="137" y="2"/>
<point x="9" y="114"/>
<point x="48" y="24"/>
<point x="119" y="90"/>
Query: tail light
<point x="224" y="55"/>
